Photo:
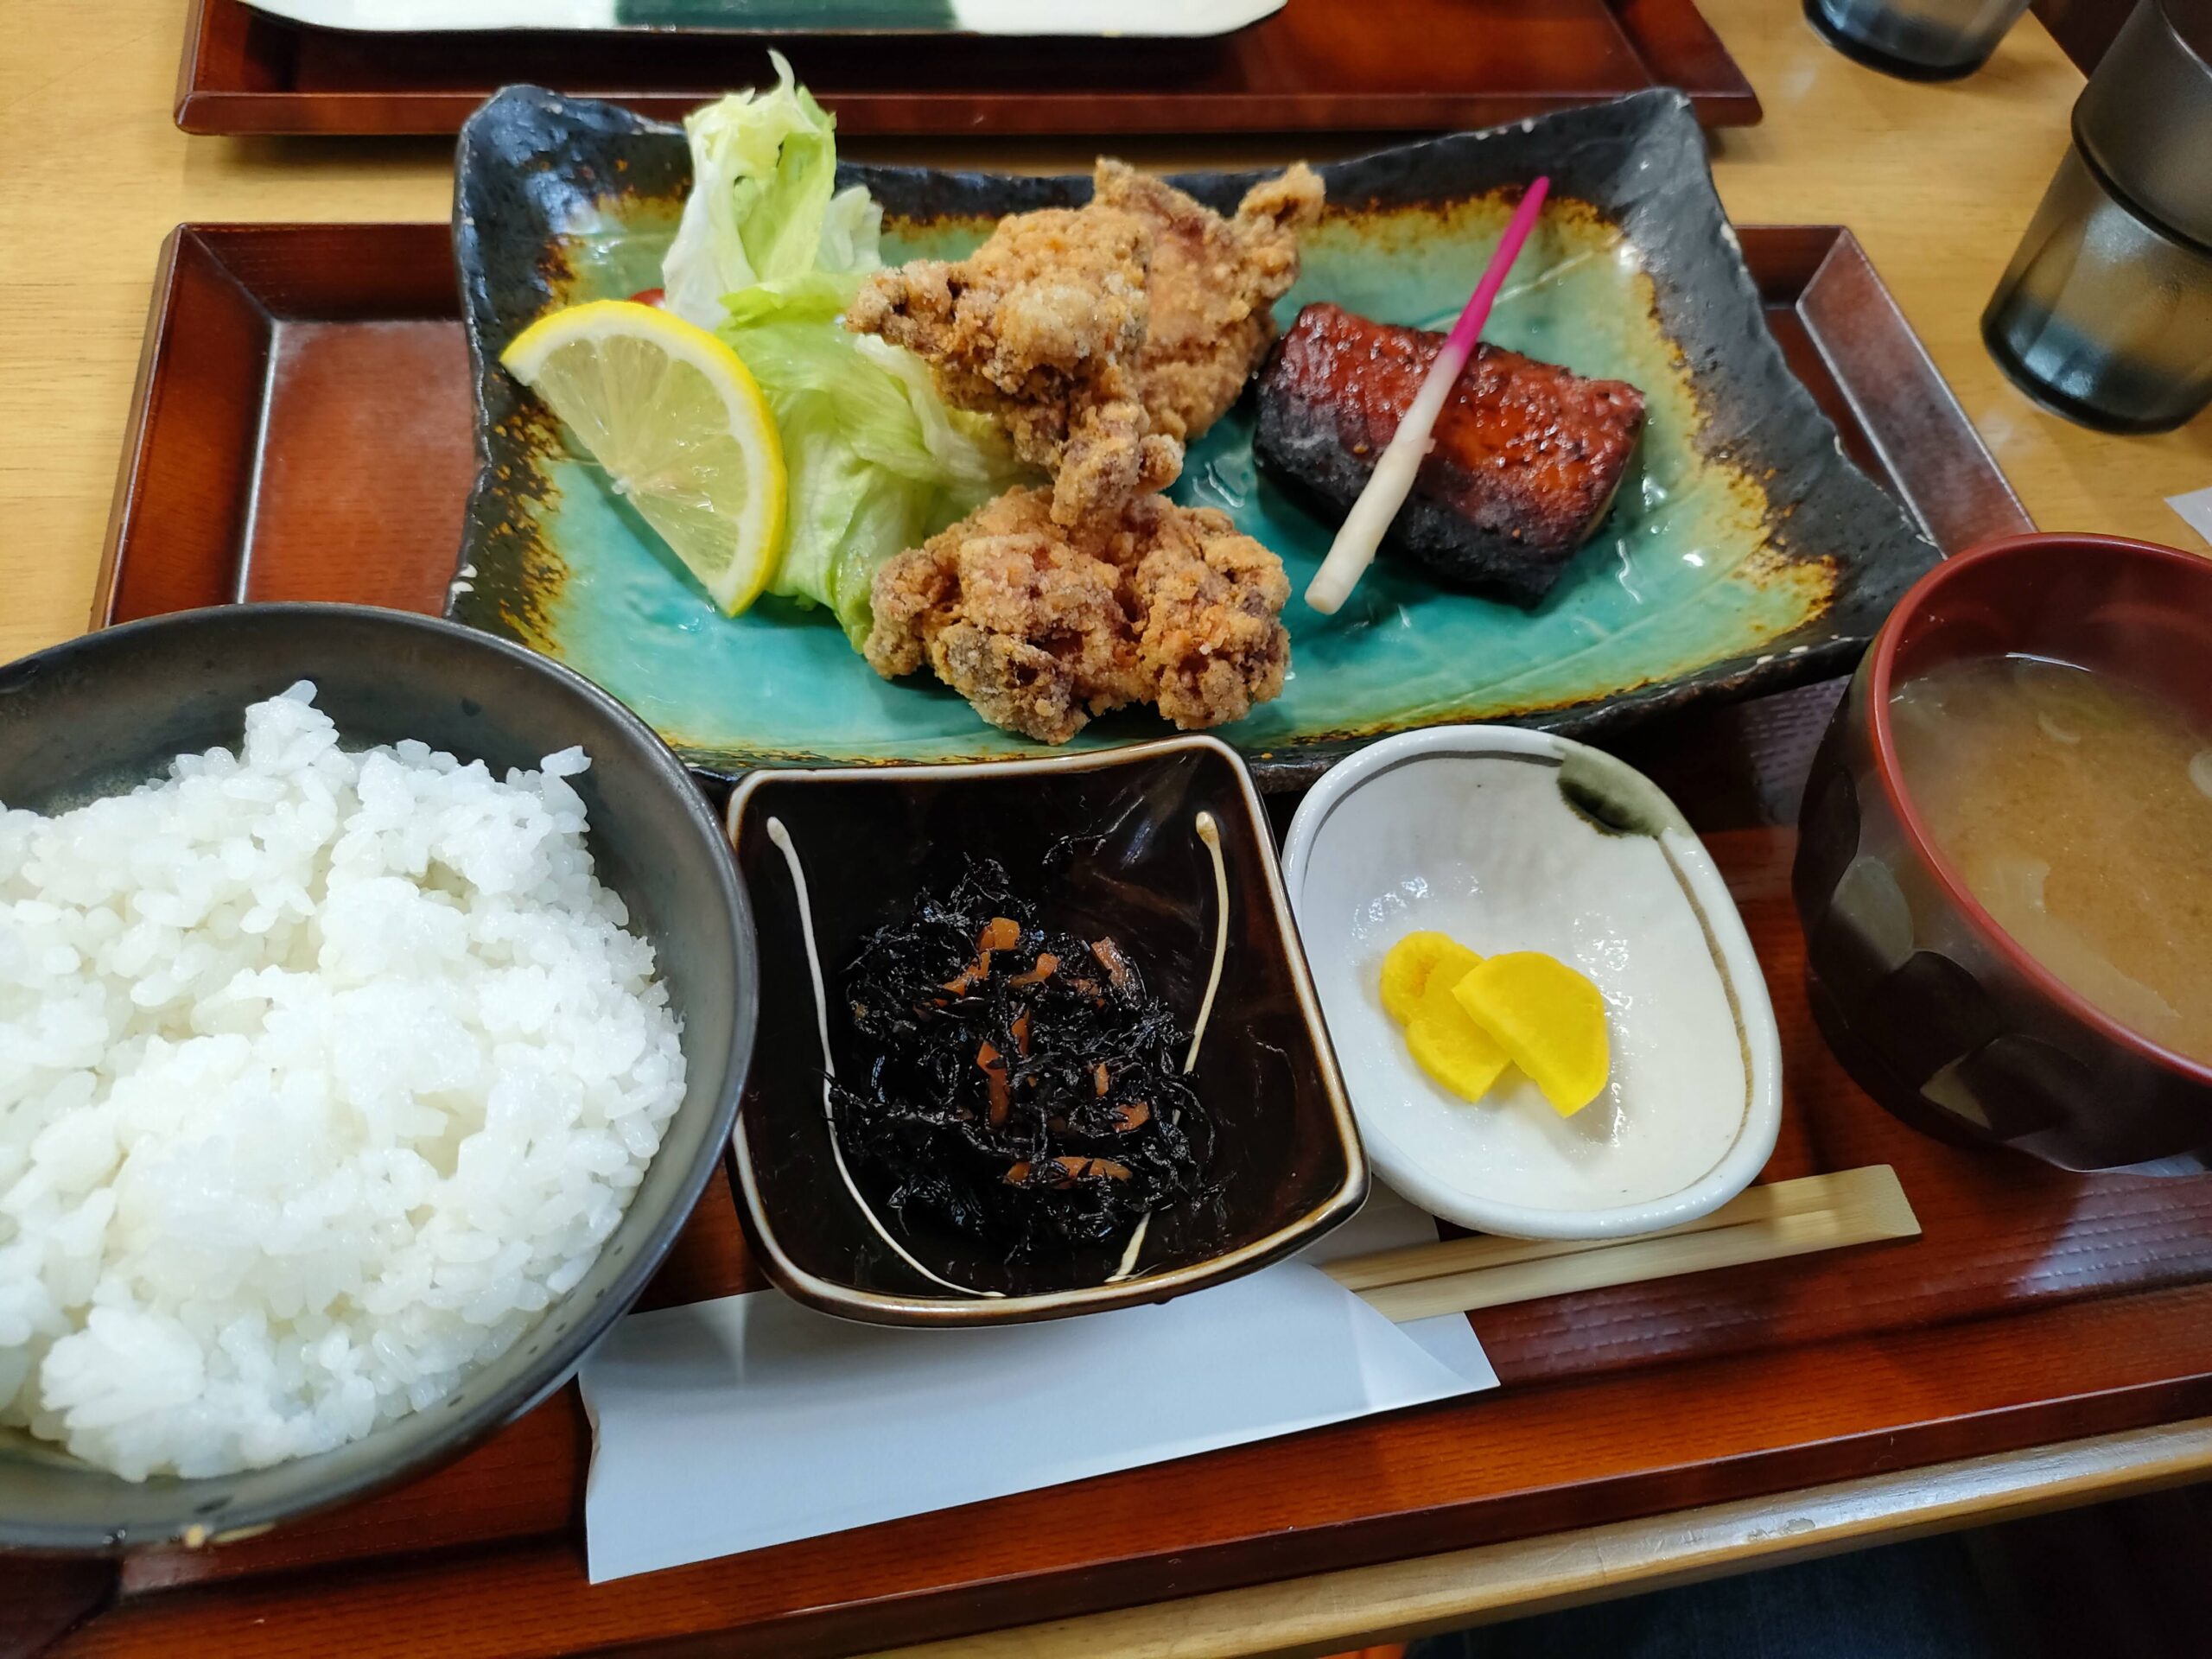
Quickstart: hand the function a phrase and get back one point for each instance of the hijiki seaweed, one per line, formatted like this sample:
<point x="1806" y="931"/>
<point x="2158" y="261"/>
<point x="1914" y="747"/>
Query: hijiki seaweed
<point x="1022" y="1086"/>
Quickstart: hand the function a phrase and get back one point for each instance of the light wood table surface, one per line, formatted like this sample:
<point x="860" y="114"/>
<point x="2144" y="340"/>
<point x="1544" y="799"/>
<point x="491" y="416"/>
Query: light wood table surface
<point x="1936" y="181"/>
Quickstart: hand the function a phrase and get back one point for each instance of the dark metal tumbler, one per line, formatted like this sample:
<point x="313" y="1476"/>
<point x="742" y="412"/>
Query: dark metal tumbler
<point x="1921" y="40"/>
<point x="2105" y="313"/>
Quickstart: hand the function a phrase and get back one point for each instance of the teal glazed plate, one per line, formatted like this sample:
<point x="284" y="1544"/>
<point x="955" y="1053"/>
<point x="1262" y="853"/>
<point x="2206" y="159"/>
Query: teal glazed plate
<point x="1745" y="554"/>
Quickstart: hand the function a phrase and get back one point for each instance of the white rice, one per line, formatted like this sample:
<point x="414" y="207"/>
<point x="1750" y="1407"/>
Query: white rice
<point x="322" y="1075"/>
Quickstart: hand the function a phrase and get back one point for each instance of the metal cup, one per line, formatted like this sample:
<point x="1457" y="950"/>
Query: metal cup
<point x="2104" y="315"/>
<point x="1920" y="40"/>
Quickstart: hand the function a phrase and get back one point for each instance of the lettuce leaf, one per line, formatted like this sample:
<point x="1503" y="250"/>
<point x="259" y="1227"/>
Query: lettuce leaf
<point x="764" y="206"/>
<point x="877" y="463"/>
<point x="769" y="255"/>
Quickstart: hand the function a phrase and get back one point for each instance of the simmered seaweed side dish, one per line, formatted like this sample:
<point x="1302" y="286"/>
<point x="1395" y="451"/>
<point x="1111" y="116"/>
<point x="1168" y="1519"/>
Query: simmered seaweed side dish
<point x="1021" y="1085"/>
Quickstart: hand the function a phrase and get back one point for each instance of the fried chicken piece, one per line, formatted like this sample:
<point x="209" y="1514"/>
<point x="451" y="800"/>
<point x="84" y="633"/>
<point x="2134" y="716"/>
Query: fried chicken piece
<point x="1030" y="629"/>
<point x="1041" y="627"/>
<point x="1212" y="284"/>
<point x="1106" y="335"/>
<point x="1041" y="326"/>
<point x="1213" y="643"/>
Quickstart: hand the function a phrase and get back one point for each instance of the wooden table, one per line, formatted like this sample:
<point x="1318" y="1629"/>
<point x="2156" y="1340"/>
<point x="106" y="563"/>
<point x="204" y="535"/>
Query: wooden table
<point x="1936" y="181"/>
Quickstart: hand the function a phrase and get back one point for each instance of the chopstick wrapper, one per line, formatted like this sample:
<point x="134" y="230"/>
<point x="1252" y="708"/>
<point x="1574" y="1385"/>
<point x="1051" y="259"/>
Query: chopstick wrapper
<point x="2197" y="508"/>
<point x="737" y="1424"/>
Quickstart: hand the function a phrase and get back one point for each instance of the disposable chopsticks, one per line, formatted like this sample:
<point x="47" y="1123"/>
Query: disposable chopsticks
<point x="1766" y="1223"/>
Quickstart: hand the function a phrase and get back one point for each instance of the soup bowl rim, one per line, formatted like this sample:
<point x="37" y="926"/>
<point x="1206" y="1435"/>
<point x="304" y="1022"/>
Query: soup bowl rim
<point x="1881" y="679"/>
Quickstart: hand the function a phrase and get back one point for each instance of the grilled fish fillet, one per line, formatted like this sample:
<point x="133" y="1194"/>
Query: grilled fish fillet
<point x="1526" y="459"/>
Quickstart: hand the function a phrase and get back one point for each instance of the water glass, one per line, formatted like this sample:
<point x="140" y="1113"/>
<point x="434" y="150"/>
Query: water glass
<point x="2104" y="315"/>
<point x="1920" y="40"/>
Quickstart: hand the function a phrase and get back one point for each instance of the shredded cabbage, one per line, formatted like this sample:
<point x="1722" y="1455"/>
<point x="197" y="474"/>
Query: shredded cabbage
<point x="769" y="255"/>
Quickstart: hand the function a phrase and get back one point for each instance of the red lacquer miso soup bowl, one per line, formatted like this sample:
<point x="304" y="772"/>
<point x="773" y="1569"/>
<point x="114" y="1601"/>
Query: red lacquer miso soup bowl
<point x="1933" y="1008"/>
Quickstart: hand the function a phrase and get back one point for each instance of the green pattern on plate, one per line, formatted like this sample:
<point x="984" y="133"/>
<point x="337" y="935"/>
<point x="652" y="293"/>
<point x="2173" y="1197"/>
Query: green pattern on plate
<point x="1677" y="576"/>
<point x="1745" y="552"/>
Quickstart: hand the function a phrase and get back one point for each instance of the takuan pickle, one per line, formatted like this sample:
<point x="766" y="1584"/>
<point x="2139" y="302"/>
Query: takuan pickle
<point x="1468" y="1018"/>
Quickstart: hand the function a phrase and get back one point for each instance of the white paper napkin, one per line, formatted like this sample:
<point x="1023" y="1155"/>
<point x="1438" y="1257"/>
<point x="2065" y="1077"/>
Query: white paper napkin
<point x="735" y="1424"/>
<point x="2197" y="507"/>
<point x="1387" y="1222"/>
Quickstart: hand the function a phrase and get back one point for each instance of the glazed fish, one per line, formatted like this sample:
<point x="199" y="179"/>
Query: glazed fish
<point x="1526" y="456"/>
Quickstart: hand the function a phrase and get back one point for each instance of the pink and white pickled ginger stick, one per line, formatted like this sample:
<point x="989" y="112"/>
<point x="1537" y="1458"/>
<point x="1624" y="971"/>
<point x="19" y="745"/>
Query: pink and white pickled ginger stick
<point x="1392" y="480"/>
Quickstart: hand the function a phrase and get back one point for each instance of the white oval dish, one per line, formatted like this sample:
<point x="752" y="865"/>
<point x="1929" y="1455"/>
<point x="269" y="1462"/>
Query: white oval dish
<point x="1510" y="840"/>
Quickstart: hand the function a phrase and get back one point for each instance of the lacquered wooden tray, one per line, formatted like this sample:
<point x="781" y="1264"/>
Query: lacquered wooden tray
<point x="1316" y="65"/>
<point x="303" y="431"/>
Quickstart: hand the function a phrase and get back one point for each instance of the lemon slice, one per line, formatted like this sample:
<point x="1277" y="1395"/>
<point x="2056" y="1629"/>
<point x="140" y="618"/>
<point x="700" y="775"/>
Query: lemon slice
<point x="681" y="428"/>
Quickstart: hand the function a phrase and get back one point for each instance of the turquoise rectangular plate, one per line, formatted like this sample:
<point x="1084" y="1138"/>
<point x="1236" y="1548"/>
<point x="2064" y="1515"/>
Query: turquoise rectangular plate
<point x="1745" y="552"/>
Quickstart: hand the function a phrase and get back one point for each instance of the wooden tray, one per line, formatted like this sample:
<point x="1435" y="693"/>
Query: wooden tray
<point x="1317" y="65"/>
<point x="302" y="430"/>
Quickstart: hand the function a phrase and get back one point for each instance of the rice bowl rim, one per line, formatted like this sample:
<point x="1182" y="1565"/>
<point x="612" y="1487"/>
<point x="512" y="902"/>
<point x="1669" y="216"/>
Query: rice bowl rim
<point x="538" y="1380"/>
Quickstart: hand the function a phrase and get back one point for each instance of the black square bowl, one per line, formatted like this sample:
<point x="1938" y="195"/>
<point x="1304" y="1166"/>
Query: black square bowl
<point x="1108" y="843"/>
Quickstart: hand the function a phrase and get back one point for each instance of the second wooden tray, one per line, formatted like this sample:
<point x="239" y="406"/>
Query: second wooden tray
<point x="1408" y="66"/>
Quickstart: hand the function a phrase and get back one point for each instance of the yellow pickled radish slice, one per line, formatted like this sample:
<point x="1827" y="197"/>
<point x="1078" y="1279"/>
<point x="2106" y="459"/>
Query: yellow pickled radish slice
<point x="1547" y="1017"/>
<point x="1447" y="1044"/>
<point x="1406" y="970"/>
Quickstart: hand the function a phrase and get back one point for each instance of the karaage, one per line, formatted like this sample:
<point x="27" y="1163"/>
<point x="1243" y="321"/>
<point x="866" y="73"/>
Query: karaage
<point x="1041" y="326"/>
<point x="1105" y="336"/>
<point x="1211" y="286"/>
<point x="1041" y="627"/>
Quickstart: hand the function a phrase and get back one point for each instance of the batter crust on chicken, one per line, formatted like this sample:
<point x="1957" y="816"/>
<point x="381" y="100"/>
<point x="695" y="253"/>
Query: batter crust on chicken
<point x="1041" y="627"/>
<point x="1103" y="336"/>
<point x="1212" y="284"/>
<point x="1041" y="326"/>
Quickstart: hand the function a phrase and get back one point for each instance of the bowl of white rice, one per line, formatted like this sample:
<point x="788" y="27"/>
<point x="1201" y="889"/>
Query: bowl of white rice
<point x="375" y="998"/>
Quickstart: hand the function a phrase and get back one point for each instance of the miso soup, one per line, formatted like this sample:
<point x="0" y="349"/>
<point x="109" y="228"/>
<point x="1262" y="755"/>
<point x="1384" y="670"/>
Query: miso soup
<point x="2078" y="810"/>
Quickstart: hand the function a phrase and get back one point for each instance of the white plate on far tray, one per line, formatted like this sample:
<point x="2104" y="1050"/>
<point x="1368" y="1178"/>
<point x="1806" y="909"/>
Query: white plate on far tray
<point x="1152" y="18"/>
<point x="1508" y="840"/>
